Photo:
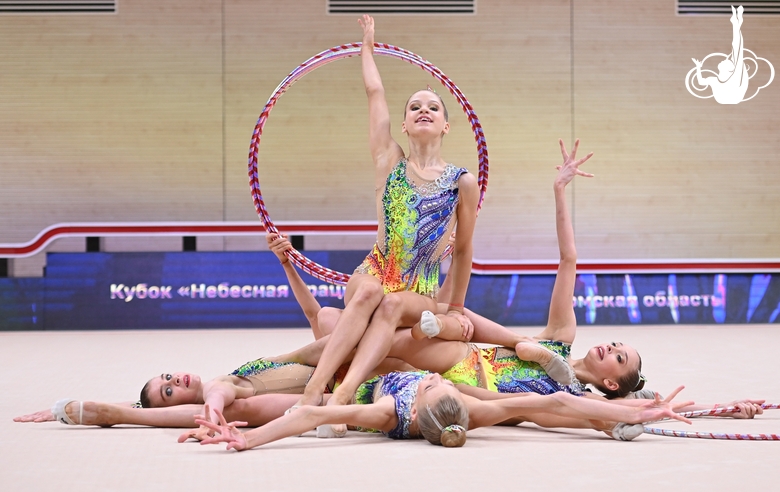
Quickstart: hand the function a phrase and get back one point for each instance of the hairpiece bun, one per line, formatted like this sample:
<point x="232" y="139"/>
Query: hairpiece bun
<point x="453" y="436"/>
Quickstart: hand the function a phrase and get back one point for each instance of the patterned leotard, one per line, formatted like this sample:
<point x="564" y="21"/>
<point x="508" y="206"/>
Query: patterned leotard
<point x="499" y="369"/>
<point x="408" y="252"/>
<point x="276" y="377"/>
<point x="402" y="386"/>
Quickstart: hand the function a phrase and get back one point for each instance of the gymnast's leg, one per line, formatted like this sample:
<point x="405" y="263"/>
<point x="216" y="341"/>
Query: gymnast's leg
<point x="396" y="309"/>
<point x="108" y="414"/>
<point x="364" y="293"/>
<point x="275" y="378"/>
<point x="257" y="410"/>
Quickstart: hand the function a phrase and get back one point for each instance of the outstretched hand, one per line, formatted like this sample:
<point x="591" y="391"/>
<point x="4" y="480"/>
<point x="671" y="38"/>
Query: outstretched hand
<point x="42" y="416"/>
<point x="367" y="23"/>
<point x="227" y="432"/>
<point x="279" y="243"/>
<point x="571" y="165"/>
<point x="744" y="409"/>
<point x="659" y="409"/>
<point x="696" y="62"/>
<point x="198" y="434"/>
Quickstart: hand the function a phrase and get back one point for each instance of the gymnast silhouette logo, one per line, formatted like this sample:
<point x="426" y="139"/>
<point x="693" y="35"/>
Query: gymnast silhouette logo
<point x="730" y="84"/>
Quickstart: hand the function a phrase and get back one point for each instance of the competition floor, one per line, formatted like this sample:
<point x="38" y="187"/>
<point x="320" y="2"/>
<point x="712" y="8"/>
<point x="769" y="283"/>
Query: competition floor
<point x="716" y="363"/>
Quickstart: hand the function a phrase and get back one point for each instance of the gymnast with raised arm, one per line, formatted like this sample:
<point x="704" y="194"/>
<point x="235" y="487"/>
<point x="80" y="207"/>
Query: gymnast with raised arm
<point x="476" y="370"/>
<point x="419" y="200"/>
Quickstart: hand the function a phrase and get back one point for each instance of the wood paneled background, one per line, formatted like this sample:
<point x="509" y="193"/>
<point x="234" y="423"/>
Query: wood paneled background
<point x="146" y="115"/>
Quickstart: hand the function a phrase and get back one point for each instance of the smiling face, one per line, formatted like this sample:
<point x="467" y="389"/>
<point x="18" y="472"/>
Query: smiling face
<point x="611" y="363"/>
<point x="178" y="388"/>
<point x="425" y="114"/>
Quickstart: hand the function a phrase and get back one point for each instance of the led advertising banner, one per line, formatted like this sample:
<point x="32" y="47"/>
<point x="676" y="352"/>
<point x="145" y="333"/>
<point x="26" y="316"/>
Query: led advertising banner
<point x="85" y="291"/>
<point x="610" y="299"/>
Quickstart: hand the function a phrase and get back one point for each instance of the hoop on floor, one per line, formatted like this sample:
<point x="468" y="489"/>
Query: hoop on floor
<point x="323" y="58"/>
<point x="715" y="435"/>
<point x="711" y="435"/>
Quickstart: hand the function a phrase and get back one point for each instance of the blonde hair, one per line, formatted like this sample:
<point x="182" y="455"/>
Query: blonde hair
<point x="446" y="423"/>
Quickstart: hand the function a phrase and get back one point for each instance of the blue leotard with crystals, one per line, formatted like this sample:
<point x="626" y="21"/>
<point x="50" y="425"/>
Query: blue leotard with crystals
<point x="402" y="386"/>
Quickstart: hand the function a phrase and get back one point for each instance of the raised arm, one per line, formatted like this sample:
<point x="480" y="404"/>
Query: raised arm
<point x="279" y="244"/>
<point x="384" y="150"/>
<point x="562" y="324"/>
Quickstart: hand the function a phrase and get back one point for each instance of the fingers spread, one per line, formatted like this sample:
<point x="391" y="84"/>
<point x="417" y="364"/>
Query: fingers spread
<point x="574" y="150"/>
<point x="563" y="149"/>
<point x="673" y="393"/>
<point x="208" y="424"/>
<point x="679" y="417"/>
<point x="579" y="162"/>
<point x="221" y="417"/>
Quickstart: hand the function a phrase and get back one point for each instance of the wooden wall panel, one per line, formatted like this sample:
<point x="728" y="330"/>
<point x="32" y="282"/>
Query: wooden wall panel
<point x="147" y="115"/>
<point x="110" y="117"/>
<point x="678" y="177"/>
<point x="512" y="61"/>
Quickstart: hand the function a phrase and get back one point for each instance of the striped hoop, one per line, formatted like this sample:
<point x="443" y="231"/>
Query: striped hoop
<point x="323" y="58"/>
<point x="715" y="435"/>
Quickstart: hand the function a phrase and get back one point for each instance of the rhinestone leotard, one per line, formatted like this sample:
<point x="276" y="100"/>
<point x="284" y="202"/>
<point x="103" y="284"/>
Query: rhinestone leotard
<point x="499" y="369"/>
<point x="417" y="220"/>
<point x="276" y="377"/>
<point x="402" y="386"/>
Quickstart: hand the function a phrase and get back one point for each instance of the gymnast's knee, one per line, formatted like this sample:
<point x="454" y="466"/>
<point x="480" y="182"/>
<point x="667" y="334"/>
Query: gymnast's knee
<point x="368" y="293"/>
<point x="327" y="318"/>
<point x="389" y="308"/>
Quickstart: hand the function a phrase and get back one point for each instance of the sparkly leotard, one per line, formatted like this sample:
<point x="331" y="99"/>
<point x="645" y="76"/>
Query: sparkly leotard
<point x="408" y="252"/>
<point x="499" y="369"/>
<point x="402" y="386"/>
<point x="275" y="377"/>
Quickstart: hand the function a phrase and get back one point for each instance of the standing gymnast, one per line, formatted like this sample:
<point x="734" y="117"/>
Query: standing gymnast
<point x="419" y="200"/>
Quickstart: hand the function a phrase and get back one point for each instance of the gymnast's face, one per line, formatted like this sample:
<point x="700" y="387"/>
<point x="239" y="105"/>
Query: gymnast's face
<point x="425" y="114"/>
<point x="432" y="387"/>
<point x="179" y="388"/>
<point x="610" y="362"/>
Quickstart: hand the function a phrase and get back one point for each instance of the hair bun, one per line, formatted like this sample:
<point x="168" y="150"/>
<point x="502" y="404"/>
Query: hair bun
<point x="453" y="436"/>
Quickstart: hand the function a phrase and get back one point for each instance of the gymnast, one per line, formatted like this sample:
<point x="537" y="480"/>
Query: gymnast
<point x="408" y="405"/>
<point x="393" y="405"/>
<point x="498" y="369"/>
<point x="419" y="200"/>
<point x="612" y="368"/>
<point x="476" y="370"/>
